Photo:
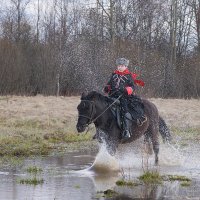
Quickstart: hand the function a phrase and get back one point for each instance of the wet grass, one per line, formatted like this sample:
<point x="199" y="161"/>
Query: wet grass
<point x="34" y="170"/>
<point x="151" y="177"/>
<point x="176" y="178"/>
<point x="186" y="184"/>
<point x="154" y="178"/>
<point x="24" y="138"/>
<point x="126" y="183"/>
<point x="32" y="181"/>
<point x="106" y="194"/>
<point x="109" y="193"/>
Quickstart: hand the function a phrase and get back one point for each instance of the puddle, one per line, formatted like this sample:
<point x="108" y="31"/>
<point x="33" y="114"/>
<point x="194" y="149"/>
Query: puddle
<point x="82" y="175"/>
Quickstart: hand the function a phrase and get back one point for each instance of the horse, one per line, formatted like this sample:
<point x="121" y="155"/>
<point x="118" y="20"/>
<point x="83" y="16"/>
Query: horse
<point x="96" y="108"/>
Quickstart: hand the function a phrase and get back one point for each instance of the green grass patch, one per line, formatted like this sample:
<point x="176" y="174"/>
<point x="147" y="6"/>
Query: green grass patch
<point x="34" y="169"/>
<point x="151" y="177"/>
<point x="18" y="146"/>
<point x="23" y="138"/>
<point x="110" y="193"/>
<point x="67" y="137"/>
<point x="176" y="178"/>
<point x="126" y="183"/>
<point x="186" y="183"/>
<point x="32" y="181"/>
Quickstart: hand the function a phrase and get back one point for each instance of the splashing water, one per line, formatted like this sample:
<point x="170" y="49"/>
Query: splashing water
<point x="133" y="159"/>
<point x="104" y="162"/>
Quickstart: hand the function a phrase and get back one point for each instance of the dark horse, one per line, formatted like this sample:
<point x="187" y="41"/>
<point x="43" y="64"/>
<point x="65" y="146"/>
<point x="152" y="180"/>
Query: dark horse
<point x="95" y="108"/>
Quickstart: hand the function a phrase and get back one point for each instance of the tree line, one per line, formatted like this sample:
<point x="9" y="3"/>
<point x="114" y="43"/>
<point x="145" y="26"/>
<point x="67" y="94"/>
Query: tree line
<point x="64" y="47"/>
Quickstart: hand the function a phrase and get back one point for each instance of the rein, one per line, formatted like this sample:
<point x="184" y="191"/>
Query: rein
<point x="106" y="108"/>
<point x="90" y="118"/>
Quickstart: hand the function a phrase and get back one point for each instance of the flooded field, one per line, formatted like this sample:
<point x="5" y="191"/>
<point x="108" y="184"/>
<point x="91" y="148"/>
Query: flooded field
<point x="87" y="175"/>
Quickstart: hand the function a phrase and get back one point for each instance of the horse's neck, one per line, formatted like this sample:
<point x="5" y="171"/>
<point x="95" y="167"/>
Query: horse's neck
<point x="103" y="115"/>
<point x="107" y="122"/>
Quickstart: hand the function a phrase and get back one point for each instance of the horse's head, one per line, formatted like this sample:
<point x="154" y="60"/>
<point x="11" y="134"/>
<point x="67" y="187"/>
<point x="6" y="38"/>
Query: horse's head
<point x="86" y="112"/>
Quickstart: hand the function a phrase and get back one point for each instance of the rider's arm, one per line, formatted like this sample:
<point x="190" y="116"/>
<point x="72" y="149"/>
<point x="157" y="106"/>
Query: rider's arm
<point x="131" y="86"/>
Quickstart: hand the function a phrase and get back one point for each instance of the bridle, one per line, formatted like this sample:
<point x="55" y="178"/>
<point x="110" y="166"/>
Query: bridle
<point x="90" y="118"/>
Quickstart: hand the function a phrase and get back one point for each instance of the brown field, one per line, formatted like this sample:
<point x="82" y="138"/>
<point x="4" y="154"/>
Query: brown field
<point x="177" y="112"/>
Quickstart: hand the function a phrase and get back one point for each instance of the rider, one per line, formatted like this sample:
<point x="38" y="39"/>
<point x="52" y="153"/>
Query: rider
<point x="122" y="83"/>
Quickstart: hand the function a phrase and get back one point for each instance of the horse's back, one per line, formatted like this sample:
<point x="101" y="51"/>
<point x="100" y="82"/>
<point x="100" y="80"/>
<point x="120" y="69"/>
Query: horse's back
<point x="151" y="111"/>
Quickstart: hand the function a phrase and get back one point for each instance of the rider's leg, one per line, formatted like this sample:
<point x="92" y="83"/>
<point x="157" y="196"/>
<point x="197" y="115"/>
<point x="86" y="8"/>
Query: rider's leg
<point x="126" y="134"/>
<point x="127" y="126"/>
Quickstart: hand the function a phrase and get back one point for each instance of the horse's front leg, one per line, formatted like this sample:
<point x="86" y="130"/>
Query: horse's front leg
<point x="110" y="142"/>
<point x="111" y="146"/>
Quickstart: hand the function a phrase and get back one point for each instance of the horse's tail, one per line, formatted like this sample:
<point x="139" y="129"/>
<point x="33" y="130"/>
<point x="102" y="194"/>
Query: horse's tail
<point x="164" y="130"/>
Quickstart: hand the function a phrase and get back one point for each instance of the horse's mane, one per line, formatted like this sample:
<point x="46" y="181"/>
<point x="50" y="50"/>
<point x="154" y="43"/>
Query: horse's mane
<point x="96" y="95"/>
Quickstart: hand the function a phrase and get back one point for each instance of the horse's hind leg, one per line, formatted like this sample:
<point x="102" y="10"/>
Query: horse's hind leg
<point x="156" y="151"/>
<point x="155" y="141"/>
<point x="148" y="143"/>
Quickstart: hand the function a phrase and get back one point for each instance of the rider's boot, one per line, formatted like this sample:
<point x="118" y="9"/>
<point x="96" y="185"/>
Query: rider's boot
<point x="141" y="120"/>
<point x="126" y="134"/>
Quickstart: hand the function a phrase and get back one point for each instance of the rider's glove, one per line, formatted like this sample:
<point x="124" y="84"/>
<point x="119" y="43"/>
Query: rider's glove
<point x="129" y="90"/>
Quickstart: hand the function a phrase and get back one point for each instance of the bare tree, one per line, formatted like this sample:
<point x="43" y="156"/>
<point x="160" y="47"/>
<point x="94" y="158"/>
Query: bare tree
<point x="196" y="7"/>
<point x="19" y="9"/>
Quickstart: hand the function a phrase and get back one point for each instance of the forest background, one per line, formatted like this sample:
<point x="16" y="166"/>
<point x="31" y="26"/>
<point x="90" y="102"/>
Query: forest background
<point x="62" y="47"/>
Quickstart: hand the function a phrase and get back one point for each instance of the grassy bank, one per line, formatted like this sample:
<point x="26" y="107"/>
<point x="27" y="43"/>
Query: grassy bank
<point x="32" y="137"/>
<point x="39" y="125"/>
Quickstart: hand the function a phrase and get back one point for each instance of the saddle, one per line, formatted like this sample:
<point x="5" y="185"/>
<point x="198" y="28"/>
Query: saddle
<point x="116" y="111"/>
<point x="135" y="106"/>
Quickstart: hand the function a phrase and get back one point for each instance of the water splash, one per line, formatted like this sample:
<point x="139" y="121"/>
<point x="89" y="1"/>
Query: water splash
<point x="104" y="162"/>
<point x="171" y="155"/>
<point x="132" y="159"/>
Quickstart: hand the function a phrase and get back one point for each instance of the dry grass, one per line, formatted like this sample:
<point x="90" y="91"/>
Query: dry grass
<point x="44" y="109"/>
<point x="61" y="110"/>
<point x="180" y="113"/>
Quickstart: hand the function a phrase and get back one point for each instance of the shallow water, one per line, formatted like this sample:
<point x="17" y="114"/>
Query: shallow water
<point x="84" y="175"/>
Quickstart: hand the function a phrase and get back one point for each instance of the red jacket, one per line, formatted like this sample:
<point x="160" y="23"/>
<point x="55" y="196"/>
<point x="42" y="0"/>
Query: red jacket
<point x="134" y="76"/>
